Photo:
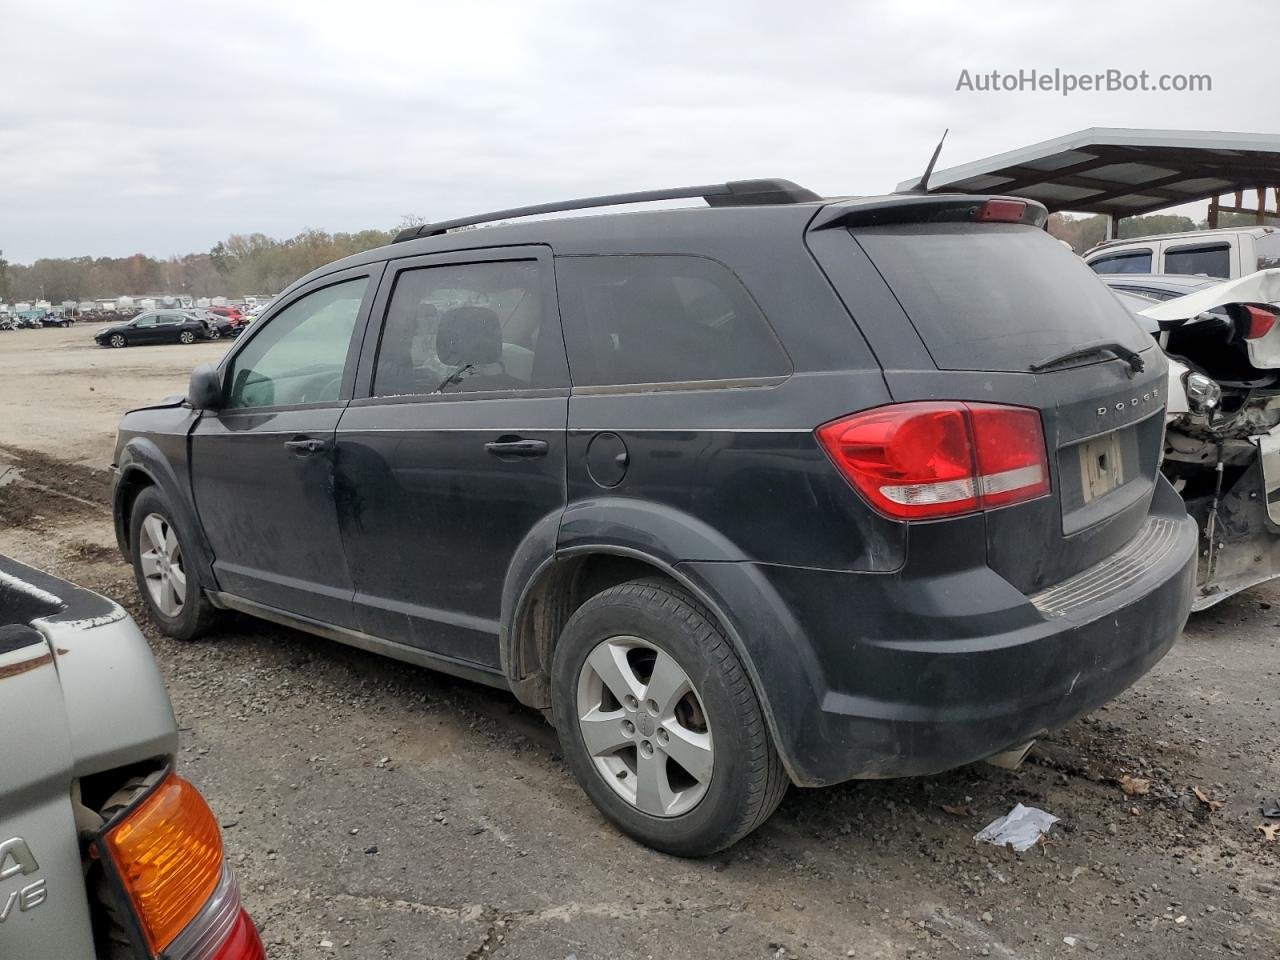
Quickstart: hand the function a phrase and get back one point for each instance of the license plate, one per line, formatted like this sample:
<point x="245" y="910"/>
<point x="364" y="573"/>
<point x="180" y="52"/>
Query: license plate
<point x="1101" y="466"/>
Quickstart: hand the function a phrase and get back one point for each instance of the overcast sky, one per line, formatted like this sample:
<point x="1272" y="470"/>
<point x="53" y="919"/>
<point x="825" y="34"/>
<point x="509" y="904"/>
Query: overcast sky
<point x="163" y="127"/>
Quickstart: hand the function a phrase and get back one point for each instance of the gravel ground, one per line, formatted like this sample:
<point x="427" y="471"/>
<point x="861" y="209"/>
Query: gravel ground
<point x="377" y="810"/>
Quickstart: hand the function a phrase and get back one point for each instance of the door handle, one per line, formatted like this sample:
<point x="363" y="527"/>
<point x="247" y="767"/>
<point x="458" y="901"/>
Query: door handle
<point x="517" y="447"/>
<point x="307" y="446"/>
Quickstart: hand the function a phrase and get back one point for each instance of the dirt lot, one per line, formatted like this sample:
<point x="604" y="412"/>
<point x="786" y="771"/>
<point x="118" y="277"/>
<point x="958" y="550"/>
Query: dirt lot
<point x="62" y="394"/>
<point x="376" y="810"/>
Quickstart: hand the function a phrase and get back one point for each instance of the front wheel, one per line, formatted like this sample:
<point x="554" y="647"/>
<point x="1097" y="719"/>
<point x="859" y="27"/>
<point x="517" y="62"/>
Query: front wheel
<point x="186" y="336"/>
<point x="165" y="580"/>
<point x="117" y="340"/>
<point x="659" y="723"/>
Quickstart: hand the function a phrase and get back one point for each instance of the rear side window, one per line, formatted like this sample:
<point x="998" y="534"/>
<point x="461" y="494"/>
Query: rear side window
<point x="997" y="296"/>
<point x="632" y="320"/>
<point x="1268" y="247"/>
<point x="467" y="328"/>
<point x="1136" y="261"/>
<point x="1211" y="260"/>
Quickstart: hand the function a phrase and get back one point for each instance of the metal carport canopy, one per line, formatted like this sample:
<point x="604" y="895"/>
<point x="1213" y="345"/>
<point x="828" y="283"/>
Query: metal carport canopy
<point x="1121" y="172"/>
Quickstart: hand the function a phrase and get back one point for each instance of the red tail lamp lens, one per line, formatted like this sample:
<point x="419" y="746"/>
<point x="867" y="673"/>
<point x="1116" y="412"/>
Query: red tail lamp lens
<point x="1260" y="321"/>
<point x="940" y="459"/>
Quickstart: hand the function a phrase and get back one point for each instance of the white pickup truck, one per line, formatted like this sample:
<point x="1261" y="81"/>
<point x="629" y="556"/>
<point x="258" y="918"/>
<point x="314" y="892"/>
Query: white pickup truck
<point x="105" y="852"/>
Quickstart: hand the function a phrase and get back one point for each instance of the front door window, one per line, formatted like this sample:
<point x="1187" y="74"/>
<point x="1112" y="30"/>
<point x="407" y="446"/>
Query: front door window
<point x="300" y="355"/>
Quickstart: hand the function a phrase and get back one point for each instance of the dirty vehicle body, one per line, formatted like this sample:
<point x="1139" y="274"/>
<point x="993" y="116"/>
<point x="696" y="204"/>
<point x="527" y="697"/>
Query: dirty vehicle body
<point x="782" y="490"/>
<point x="87" y="789"/>
<point x="1222" y="443"/>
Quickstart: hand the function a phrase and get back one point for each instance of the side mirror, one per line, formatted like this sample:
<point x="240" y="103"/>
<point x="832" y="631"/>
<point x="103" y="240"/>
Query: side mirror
<point x="204" y="392"/>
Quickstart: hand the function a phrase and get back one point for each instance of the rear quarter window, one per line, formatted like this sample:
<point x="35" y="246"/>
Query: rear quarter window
<point x="1268" y="249"/>
<point x="631" y="320"/>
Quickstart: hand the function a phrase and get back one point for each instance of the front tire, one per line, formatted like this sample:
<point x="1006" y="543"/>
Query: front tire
<point x="166" y="582"/>
<point x="659" y="723"/>
<point x="186" y="336"/>
<point x="117" y="340"/>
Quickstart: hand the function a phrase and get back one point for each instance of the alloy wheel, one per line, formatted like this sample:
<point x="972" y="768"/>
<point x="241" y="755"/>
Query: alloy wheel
<point x="117" y="339"/>
<point x="645" y="727"/>
<point x="161" y="558"/>
<point x="186" y="336"/>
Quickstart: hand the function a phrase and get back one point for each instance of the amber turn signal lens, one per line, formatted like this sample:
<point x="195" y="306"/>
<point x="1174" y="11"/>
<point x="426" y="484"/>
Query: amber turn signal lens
<point x="169" y="856"/>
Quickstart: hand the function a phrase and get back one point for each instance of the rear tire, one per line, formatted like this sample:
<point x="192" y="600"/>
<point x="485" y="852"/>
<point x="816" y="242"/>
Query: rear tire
<point x="168" y="585"/>
<point x="717" y="723"/>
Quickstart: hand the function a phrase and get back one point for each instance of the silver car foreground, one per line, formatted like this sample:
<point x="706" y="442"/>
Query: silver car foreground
<point x="87" y="791"/>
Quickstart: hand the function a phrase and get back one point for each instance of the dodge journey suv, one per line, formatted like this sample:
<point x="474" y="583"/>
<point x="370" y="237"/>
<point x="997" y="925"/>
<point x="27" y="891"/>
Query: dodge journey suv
<point x="776" y="490"/>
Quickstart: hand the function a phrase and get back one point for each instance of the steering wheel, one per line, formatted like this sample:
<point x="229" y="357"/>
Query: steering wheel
<point x="332" y="388"/>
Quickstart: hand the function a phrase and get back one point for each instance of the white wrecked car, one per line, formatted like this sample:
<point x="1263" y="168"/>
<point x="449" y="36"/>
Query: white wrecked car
<point x="1222" y="439"/>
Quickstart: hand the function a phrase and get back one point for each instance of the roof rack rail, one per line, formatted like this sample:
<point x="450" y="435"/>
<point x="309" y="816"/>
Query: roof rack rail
<point x="735" y="193"/>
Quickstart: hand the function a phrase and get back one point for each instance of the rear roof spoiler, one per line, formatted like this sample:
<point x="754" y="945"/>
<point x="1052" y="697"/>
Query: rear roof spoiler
<point x="920" y="208"/>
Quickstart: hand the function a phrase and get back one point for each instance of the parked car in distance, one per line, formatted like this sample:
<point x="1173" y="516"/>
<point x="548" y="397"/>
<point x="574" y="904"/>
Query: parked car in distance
<point x="55" y="320"/>
<point x="234" y="314"/>
<point x="1156" y="287"/>
<point x="153" y="326"/>
<point x="105" y="851"/>
<point x="782" y="490"/>
<point x="1224" y="253"/>
<point x="216" y="325"/>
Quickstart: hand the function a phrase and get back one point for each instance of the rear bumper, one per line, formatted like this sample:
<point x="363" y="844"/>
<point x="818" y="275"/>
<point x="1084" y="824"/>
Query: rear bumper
<point x="919" y="674"/>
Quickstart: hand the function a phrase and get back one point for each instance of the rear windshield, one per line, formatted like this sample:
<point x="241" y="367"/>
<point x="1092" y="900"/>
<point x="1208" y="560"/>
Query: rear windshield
<point x="996" y="296"/>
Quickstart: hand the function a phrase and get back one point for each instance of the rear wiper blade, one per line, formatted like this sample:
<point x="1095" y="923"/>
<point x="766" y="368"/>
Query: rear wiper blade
<point x="1131" y="357"/>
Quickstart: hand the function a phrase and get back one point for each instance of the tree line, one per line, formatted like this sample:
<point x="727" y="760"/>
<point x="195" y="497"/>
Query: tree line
<point x="242" y="264"/>
<point x="254" y="263"/>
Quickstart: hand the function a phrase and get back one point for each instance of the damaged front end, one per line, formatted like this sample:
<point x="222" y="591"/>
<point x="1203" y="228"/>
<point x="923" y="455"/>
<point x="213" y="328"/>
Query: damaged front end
<point x="1222" y="436"/>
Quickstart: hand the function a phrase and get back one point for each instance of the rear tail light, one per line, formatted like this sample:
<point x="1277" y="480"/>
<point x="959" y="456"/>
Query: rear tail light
<point x="1259" y="321"/>
<point x="932" y="459"/>
<point x="166" y="853"/>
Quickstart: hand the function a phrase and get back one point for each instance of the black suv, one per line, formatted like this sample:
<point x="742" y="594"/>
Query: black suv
<point x="775" y="491"/>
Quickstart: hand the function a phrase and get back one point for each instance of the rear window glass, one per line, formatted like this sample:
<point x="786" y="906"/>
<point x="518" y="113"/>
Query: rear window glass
<point x="1211" y="260"/>
<point x="1139" y="261"/>
<point x="661" y="319"/>
<point x="1268" y="247"/>
<point x="996" y="297"/>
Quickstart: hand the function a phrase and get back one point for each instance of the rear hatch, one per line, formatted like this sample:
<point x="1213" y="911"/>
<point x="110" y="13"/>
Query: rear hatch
<point x="1000" y="312"/>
